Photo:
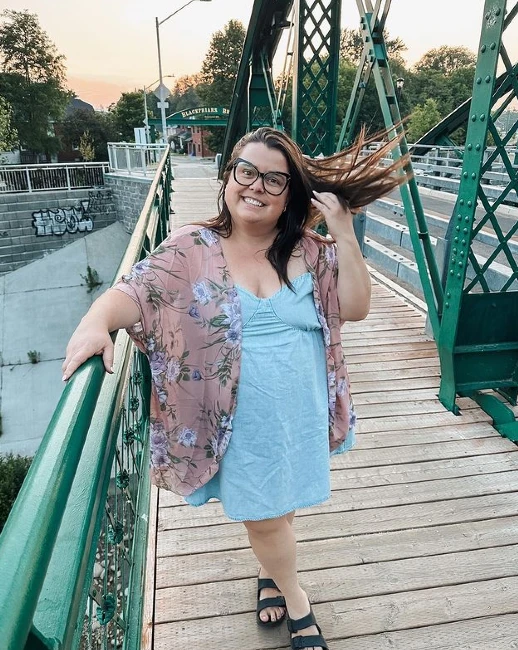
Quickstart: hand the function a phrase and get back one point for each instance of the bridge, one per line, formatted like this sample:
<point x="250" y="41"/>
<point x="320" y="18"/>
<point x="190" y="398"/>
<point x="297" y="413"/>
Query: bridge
<point x="417" y="547"/>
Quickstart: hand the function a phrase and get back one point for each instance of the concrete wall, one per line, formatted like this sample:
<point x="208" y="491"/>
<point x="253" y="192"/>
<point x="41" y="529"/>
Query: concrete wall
<point x="129" y="194"/>
<point x="34" y="225"/>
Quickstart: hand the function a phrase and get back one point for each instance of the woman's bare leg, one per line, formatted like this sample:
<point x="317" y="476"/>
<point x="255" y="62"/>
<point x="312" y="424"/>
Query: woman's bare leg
<point x="274" y="545"/>
<point x="272" y="613"/>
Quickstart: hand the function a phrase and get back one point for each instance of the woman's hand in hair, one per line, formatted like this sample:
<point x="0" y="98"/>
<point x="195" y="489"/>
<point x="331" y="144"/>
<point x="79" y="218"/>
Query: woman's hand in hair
<point x="339" y="219"/>
<point x="354" y="283"/>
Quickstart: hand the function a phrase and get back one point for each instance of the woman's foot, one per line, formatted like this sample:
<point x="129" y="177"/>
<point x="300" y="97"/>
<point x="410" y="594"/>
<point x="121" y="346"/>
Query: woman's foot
<point x="300" y="609"/>
<point x="272" y="614"/>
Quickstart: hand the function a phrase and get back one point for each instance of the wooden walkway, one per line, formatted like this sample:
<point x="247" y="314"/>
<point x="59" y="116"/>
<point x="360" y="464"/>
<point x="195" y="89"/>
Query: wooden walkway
<point x="416" y="548"/>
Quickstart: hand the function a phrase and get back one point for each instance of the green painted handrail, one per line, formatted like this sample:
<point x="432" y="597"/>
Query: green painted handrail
<point x="47" y="547"/>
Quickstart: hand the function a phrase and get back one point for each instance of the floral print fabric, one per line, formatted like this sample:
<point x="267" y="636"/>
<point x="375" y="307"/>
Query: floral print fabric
<point x="190" y="329"/>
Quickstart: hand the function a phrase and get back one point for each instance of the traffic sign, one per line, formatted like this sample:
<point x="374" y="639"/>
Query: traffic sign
<point x="162" y="92"/>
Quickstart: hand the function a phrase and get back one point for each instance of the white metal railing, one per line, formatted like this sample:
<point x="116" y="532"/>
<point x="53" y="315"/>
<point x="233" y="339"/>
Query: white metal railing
<point x="51" y="176"/>
<point x="135" y="159"/>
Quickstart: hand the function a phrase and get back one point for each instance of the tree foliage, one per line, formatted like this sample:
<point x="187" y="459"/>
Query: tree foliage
<point x="447" y="60"/>
<point x="100" y="127"/>
<point x="219" y="72"/>
<point x="128" y="114"/>
<point x="27" y="50"/>
<point x="351" y="46"/>
<point x="8" y="134"/>
<point x="423" y="118"/>
<point x="32" y="78"/>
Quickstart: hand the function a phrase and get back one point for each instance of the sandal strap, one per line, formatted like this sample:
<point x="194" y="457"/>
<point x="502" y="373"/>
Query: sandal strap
<point x="277" y="601"/>
<point x="266" y="583"/>
<point x="295" y="625"/>
<point x="301" y="642"/>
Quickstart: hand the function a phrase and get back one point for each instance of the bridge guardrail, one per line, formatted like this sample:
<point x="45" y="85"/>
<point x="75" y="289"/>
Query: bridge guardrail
<point x="75" y="540"/>
<point x="135" y="159"/>
<point x="51" y="176"/>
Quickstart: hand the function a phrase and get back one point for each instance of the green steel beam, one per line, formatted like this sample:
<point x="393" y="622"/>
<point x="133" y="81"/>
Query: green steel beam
<point x="375" y="56"/>
<point x="480" y="109"/>
<point x="268" y="19"/>
<point x="315" y="78"/>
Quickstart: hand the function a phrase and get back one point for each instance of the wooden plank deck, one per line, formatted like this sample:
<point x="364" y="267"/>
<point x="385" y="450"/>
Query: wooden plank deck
<point x="415" y="550"/>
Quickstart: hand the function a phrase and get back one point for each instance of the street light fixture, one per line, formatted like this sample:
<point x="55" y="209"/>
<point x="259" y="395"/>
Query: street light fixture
<point x="400" y="82"/>
<point x="161" y="89"/>
<point x="146" y="119"/>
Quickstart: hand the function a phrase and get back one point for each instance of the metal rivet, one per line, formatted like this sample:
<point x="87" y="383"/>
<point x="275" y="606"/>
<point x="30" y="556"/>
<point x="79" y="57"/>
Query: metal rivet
<point x="448" y="295"/>
<point x="492" y="46"/>
<point x="460" y="263"/>
<point x="487" y="15"/>
<point x="479" y="80"/>
<point x="482" y="117"/>
<point x="446" y="304"/>
<point x="473" y="175"/>
<point x="470" y="203"/>
<point x="483" y="49"/>
<point x="459" y="275"/>
<point x="461" y="201"/>
<point x="457" y="228"/>
<point x="498" y="11"/>
<point x="462" y="253"/>
<point x="465" y="231"/>
<point x="466" y="219"/>
<point x="488" y="79"/>
<point x="456" y="240"/>
<point x="454" y="251"/>
<point x="477" y="147"/>
<point x="470" y="147"/>
<point x="473" y="118"/>
<point x="459" y="217"/>
<point x="463" y="242"/>
<point x="452" y="272"/>
<point x="465" y="174"/>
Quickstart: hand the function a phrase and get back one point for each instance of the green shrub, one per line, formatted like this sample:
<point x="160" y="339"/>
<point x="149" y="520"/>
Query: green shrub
<point x="13" y="470"/>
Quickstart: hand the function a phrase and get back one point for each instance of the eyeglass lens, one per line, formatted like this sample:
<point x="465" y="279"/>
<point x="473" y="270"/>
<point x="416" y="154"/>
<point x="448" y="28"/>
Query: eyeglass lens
<point x="245" y="174"/>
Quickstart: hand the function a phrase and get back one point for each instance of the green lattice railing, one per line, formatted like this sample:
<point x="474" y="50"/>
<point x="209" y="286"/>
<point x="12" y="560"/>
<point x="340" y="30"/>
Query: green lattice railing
<point x="72" y="553"/>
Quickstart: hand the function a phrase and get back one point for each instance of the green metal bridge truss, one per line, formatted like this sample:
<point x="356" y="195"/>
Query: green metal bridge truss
<point x="72" y="554"/>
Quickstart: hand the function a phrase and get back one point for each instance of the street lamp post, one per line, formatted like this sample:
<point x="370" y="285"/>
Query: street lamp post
<point x="162" y="99"/>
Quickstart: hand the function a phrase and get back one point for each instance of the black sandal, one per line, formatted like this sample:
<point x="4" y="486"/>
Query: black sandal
<point x="277" y="601"/>
<point x="301" y="642"/>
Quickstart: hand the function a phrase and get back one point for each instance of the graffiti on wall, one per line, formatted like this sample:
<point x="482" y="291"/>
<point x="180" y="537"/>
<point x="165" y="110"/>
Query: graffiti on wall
<point x="75" y="219"/>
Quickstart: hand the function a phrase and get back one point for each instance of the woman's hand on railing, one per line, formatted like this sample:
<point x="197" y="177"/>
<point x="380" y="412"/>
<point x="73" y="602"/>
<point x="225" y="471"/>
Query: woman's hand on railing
<point x="87" y="341"/>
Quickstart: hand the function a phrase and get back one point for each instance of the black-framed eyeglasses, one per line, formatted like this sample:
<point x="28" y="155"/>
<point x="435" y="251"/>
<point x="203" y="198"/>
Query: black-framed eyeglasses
<point x="273" y="182"/>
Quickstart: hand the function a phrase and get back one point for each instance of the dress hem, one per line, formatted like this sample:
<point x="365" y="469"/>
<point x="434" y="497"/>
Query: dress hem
<point x="275" y="516"/>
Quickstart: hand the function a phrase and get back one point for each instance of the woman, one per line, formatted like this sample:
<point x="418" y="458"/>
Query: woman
<point x="240" y="318"/>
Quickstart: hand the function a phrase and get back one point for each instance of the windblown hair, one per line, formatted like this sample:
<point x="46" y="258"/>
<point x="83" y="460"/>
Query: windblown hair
<point x="356" y="179"/>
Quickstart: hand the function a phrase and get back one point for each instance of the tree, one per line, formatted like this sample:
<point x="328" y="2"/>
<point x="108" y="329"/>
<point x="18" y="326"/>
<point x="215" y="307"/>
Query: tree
<point x="100" y="128"/>
<point x="8" y="134"/>
<point x="128" y="113"/>
<point x="185" y="94"/>
<point x="447" y="59"/>
<point x="351" y="46"/>
<point x="32" y="80"/>
<point x="423" y="118"/>
<point x="86" y="147"/>
<point x="219" y="72"/>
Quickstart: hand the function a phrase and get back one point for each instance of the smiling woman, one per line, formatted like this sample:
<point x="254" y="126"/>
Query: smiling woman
<point x="240" y="318"/>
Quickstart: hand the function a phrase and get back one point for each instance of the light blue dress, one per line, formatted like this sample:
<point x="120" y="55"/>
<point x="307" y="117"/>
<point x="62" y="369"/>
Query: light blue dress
<point x="278" y="456"/>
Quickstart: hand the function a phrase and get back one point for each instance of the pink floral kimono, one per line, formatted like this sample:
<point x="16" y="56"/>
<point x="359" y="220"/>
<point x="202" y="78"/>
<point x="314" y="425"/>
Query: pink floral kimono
<point x="190" y="329"/>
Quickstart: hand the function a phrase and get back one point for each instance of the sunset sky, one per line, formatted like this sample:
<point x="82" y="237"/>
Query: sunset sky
<point x="110" y="45"/>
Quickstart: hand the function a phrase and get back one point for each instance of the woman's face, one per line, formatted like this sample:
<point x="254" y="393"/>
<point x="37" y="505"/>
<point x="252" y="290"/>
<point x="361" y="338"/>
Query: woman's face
<point x="252" y="206"/>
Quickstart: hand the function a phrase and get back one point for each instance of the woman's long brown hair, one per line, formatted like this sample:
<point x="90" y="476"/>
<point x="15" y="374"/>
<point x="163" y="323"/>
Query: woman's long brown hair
<point x="357" y="180"/>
